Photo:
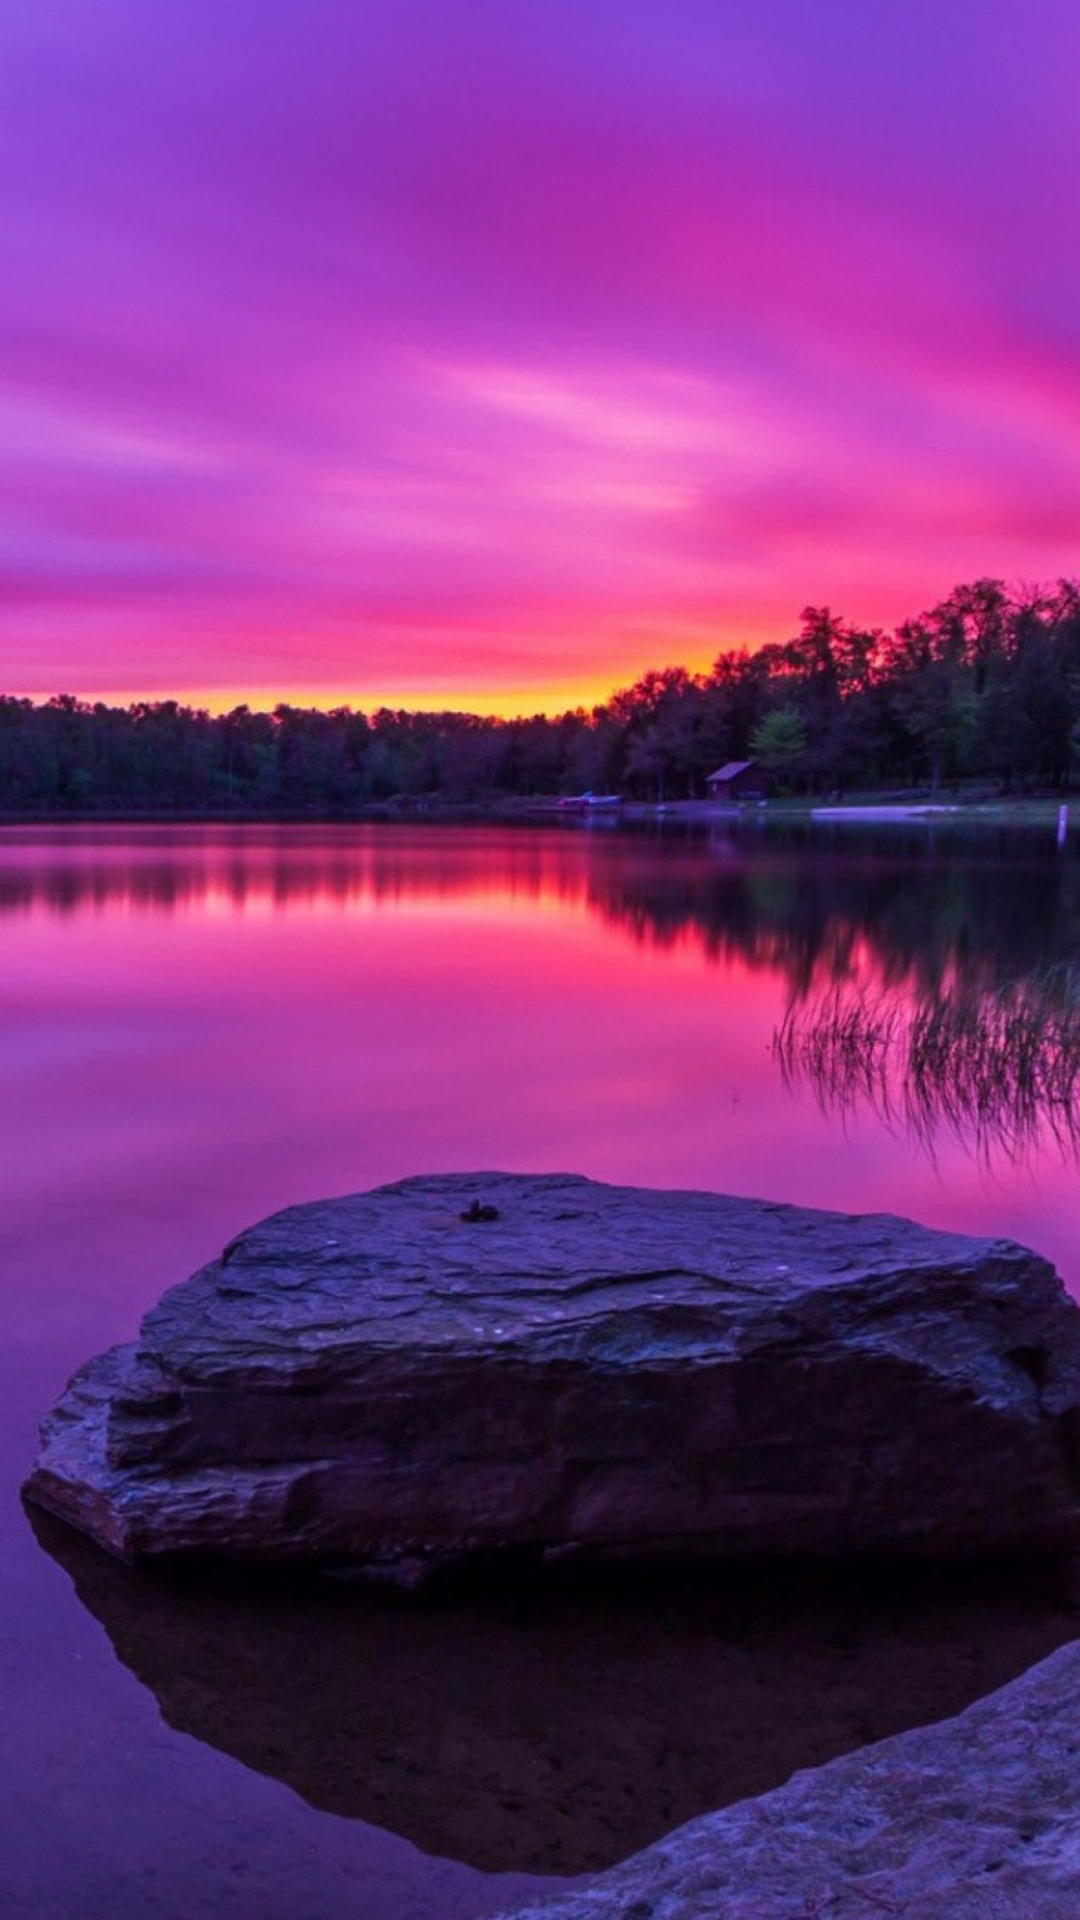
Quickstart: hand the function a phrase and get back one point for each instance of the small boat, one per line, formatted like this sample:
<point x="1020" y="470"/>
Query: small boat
<point x="586" y="802"/>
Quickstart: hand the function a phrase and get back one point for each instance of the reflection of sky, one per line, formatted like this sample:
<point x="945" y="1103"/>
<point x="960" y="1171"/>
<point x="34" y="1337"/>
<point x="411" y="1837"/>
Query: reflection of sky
<point x="203" y="1066"/>
<point x="439" y="351"/>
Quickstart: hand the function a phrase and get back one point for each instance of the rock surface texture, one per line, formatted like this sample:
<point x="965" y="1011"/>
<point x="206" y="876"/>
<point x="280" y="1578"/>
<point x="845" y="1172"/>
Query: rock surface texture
<point x="977" y="1818"/>
<point x="398" y="1379"/>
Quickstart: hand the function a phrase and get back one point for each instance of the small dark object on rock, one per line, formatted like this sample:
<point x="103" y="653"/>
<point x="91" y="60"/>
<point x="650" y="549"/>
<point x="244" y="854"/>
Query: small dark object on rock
<point x="480" y="1211"/>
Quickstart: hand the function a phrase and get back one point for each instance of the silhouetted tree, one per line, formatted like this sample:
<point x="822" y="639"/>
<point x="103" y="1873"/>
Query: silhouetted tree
<point x="779" y="741"/>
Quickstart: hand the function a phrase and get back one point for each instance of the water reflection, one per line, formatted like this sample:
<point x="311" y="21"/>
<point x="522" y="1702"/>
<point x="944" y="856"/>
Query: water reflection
<point x="981" y="904"/>
<point x="555" y="1733"/>
<point x="907" y="963"/>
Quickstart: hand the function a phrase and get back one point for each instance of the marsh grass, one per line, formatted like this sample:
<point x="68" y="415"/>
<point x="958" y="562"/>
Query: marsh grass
<point x="996" y="1067"/>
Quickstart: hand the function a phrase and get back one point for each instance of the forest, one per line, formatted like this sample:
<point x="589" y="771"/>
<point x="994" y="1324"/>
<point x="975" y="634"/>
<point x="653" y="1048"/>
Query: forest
<point x="982" y="691"/>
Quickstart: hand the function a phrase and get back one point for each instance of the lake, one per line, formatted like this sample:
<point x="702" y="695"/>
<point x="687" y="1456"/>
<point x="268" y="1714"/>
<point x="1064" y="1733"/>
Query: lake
<point x="202" y="1024"/>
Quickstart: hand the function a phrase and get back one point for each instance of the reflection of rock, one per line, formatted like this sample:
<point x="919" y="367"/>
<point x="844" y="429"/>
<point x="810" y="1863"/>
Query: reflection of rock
<point x="559" y="1733"/>
<point x="597" y="1370"/>
<point x="976" y="1819"/>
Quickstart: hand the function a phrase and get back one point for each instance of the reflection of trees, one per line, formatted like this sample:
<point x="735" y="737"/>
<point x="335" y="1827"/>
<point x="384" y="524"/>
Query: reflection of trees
<point x="820" y="908"/>
<point x="981" y="905"/>
<point x="556" y="1731"/>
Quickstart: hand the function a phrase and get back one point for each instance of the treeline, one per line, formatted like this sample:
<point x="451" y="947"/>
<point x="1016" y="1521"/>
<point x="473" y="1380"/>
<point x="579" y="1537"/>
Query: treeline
<point x="983" y="687"/>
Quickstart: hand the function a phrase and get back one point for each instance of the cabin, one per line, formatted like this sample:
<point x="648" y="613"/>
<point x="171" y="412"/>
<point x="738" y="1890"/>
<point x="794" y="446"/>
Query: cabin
<point x="738" y="780"/>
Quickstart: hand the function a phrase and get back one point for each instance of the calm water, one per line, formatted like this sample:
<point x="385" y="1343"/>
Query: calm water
<point x="200" y="1025"/>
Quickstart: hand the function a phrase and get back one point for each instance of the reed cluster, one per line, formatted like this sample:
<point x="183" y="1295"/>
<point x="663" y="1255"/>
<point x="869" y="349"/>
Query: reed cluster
<point x="997" y="1066"/>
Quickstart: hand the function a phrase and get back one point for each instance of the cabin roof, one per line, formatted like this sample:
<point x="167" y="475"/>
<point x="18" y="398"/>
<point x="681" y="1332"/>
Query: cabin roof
<point x="731" y="769"/>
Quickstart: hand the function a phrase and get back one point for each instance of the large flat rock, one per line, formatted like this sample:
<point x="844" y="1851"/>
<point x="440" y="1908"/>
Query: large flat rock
<point x="977" y="1818"/>
<point x="597" y="1370"/>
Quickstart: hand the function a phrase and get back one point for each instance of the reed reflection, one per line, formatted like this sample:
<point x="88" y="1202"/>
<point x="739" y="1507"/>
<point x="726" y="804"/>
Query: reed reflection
<point x="997" y="1066"/>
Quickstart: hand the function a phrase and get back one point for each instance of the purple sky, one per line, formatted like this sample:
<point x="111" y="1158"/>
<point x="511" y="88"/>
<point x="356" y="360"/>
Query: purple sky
<point x="489" y="354"/>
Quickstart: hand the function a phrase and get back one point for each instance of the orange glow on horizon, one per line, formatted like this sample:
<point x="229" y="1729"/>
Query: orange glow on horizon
<point x="504" y="703"/>
<point x="511" y="705"/>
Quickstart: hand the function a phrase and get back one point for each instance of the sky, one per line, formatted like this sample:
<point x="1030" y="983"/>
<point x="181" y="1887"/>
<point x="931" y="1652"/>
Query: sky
<point x="456" y="353"/>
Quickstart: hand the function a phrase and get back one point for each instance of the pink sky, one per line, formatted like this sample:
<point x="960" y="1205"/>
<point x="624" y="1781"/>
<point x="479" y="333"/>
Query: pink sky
<point x="488" y="354"/>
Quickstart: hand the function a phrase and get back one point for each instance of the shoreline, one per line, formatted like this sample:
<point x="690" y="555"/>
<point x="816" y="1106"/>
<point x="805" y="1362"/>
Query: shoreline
<point x="1043" y="810"/>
